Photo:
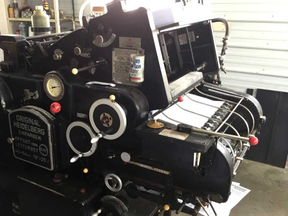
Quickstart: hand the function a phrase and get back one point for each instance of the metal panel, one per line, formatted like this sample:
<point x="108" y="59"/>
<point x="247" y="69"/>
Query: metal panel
<point x="258" y="46"/>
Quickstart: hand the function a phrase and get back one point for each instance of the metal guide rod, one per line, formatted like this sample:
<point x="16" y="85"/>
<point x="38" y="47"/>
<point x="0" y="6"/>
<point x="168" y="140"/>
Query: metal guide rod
<point x="235" y="113"/>
<point x="230" y="136"/>
<point x="219" y="98"/>
<point x="226" y="119"/>
<point x="229" y="125"/>
<point x="237" y="164"/>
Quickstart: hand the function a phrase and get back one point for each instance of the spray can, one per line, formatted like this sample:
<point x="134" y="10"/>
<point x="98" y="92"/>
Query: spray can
<point x="137" y="68"/>
<point x="15" y="8"/>
<point x="46" y="6"/>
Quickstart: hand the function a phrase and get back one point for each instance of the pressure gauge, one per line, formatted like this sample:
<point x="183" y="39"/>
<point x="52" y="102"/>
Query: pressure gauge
<point x="54" y="87"/>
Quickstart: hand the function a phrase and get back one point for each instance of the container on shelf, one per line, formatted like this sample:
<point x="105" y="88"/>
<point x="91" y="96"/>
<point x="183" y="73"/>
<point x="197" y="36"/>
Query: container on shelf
<point x="40" y="22"/>
<point x="16" y="9"/>
<point x="10" y="11"/>
<point x="22" y="29"/>
<point x="46" y="6"/>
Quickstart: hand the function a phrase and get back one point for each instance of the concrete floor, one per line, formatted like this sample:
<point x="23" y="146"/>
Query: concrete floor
<point x="269" y="190"/>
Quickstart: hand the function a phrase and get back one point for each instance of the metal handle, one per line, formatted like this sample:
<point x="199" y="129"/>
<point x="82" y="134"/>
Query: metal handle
<point x="76" y="158"/>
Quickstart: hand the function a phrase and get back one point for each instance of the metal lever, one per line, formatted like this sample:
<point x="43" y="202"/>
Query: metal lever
<point x="96" y="139"/>
<point x="75" y="158"/>
<point x="75" y="71"/>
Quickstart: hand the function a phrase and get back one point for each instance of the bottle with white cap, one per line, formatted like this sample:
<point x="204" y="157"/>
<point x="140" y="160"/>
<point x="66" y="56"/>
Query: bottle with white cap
<point x="40" y="22"/>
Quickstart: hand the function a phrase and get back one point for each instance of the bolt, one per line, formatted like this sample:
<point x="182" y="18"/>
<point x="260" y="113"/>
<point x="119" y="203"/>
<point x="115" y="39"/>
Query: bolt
<point x="10" y="140"/>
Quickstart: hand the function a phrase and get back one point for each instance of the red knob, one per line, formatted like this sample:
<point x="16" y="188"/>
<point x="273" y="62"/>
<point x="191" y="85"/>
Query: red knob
<point x="180" y="99"/>
<point x="253" y="140"/>
<point x="55" y="107"/>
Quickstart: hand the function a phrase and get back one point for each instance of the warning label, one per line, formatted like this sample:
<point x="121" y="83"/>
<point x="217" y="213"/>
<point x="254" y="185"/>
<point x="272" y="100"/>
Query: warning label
<point x="32" y="138"/>
<point x="122" y="65"/>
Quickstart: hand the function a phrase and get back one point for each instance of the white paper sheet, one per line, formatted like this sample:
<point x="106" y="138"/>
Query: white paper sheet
<point x="180" y="115"/>
<point x="237" y="194"/>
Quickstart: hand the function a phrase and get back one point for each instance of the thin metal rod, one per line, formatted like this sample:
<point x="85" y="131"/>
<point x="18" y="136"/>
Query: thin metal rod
<point x="203" y="207"/>
<point x="245" y="122"/>
<point x="226" y="119"/>
<point x="237" y="164"/>
<point x="229" y="125"/>
<point x="219" y="98"/>
<point x="230" y="136"/>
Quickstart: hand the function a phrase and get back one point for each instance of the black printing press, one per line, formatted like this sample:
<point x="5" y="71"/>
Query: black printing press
<point x="102" y="119"/>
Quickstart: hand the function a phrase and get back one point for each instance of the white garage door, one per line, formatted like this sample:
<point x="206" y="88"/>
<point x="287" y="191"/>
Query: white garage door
<point x="258" y="47"/>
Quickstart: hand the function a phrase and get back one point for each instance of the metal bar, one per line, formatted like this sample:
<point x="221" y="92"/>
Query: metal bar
<point x="57" y="16"/>
<point x="47" y="36"/>
<point x="237" y="105"/>
<point x="238" y="162"/>
<point x="230" y="136"/>
<point x="219" y="98"/>
<point x="190" y="46"/>
<point x="203" y="207"/>
<point x="235" y="113"/>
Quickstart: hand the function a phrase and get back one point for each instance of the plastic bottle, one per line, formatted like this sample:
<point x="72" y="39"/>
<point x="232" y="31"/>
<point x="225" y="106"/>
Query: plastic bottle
<point x="40" y="22"/>
<point x="46" y="6"/>
<point x="16" y="10"/>
<point x="22" y="29"/>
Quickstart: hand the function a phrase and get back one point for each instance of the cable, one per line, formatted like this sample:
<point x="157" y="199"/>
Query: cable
<point x="212" y="206"/>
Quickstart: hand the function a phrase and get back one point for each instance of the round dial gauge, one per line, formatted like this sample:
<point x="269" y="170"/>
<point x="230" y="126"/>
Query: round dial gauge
<point x="54" y="87"/>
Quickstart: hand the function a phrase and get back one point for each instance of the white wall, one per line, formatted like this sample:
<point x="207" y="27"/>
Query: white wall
<point x="258" y="47"/>
<point x="3" y="19"/>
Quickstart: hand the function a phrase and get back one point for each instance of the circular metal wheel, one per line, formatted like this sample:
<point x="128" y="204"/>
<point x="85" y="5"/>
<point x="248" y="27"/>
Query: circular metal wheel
<point x="112" y="205"/>
<point x="113" y="182"/>
<point x="79" y="136"/>
<point x="108" y="117"/>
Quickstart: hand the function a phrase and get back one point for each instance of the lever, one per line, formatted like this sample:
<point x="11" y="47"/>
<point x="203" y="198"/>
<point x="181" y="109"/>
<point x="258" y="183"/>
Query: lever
<point x="96" y="139"/>
<point x="75" y="158"/>
<point x="75" y="71"/>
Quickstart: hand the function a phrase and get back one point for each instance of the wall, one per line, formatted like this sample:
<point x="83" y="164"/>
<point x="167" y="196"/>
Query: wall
<point x="258" y="47"/>
<point x="3" y="22"/>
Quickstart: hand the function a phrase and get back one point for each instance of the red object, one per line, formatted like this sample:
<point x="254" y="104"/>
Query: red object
<point x="180" y="99"/>
<point x="55" y="107"/>
<point x="253" y="140"/>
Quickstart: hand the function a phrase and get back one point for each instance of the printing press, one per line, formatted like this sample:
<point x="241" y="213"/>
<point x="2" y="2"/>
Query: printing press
<point x="119" y="110"/>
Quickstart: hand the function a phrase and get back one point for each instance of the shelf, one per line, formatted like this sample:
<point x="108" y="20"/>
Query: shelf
<point x="29" y="20"/>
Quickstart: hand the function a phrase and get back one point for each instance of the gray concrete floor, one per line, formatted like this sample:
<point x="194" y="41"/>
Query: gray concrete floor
<point x="269" y="190"/>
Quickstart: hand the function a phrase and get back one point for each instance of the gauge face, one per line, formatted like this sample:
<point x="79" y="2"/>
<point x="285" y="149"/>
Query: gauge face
<point x="54" y="87"/>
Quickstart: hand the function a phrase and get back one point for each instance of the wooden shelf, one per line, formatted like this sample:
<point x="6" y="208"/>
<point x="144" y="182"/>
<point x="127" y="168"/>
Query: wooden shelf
<point x="29" y="20"/>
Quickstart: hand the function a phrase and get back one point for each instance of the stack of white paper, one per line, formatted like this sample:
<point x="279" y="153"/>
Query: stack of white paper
<point x="175" y="115"/>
